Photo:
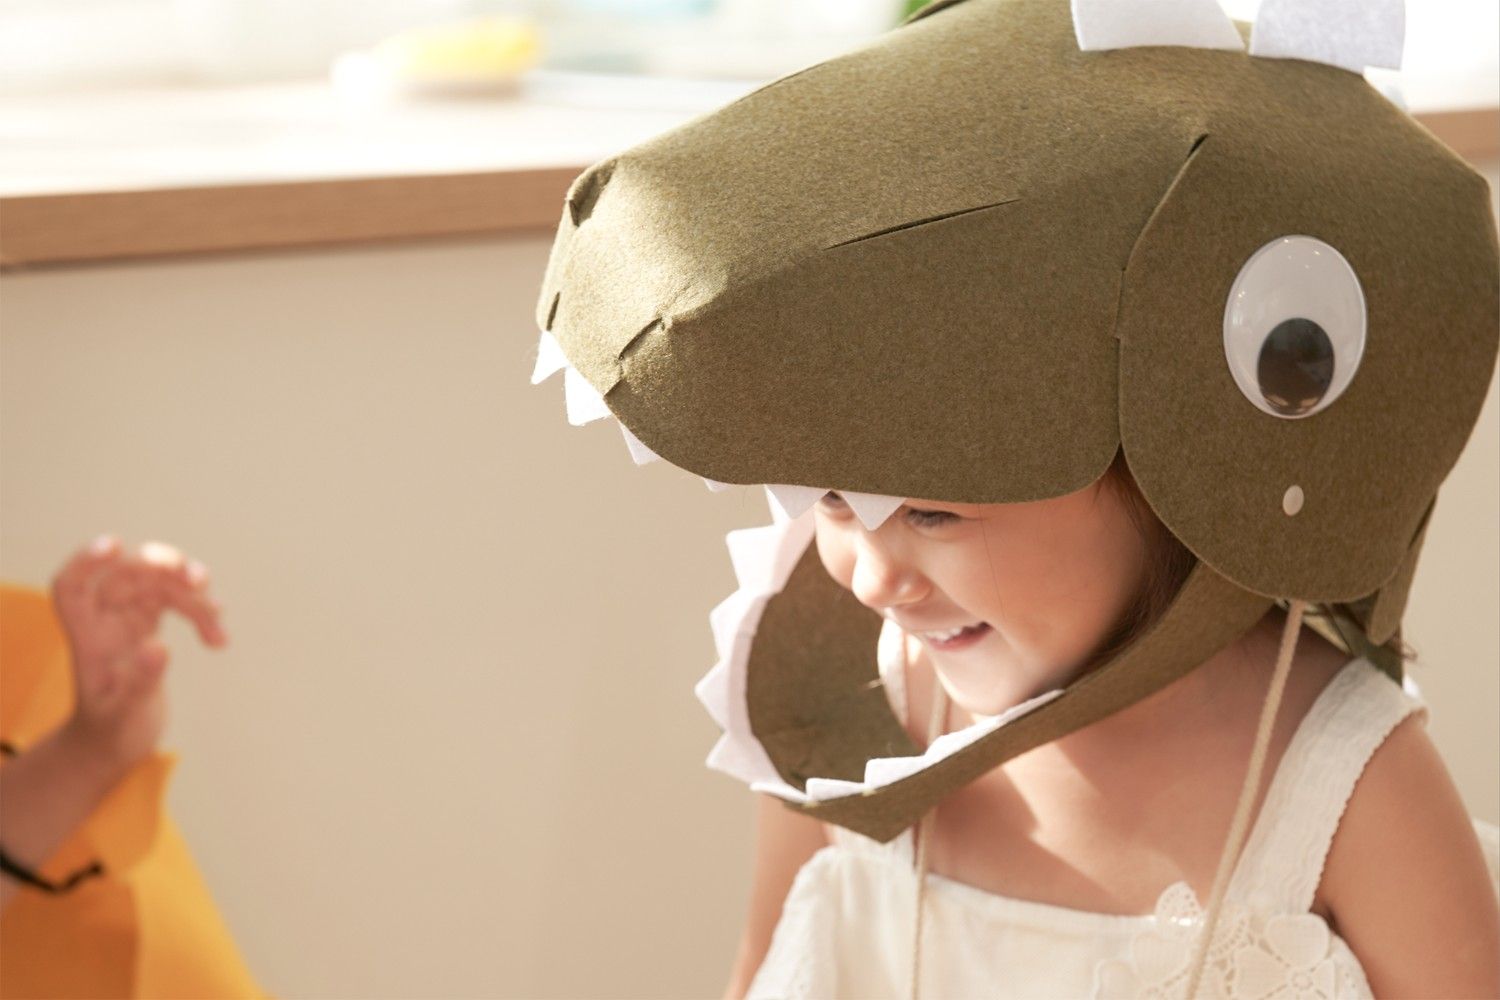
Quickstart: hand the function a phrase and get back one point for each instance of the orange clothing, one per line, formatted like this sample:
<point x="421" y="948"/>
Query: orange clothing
<point x="147" y="927"/>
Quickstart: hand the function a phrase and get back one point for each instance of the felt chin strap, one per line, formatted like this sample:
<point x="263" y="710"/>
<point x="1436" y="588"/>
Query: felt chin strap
<point x="1209" y="613"/>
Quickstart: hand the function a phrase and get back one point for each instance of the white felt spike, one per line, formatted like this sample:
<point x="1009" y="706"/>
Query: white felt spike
<point x="794" y="501"/>
<point x="638" y="451"/>
<point x="780" y="789"/>
<point x="740" y="759"/>
<point x="715" y="485"/>
<point x="549" y="358"/>
<point x="752" y="553"/>
<point x="583" y="400"/>
<point x="1123" y="24"/>
<point x="822" y="789"/>
<point x="1350" y="34"/>
<point x="728" y="618"/>
<point x="713" y="692"/>
<point x="871" y="508"/>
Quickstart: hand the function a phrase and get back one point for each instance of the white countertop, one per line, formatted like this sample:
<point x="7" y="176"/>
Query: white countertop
<point x="186" y="137"/>
<point x="168" y="137"/>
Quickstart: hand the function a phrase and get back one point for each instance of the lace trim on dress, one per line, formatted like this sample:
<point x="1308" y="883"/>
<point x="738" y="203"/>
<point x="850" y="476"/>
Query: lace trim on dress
<point x="1269" y="944"/>
<point x="1254" y="955"/>
<point x="1283" y="860"/>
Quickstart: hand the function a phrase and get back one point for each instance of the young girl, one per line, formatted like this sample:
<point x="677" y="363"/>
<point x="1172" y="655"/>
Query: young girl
<point x="1050" y="869"/>
<point x="1112" y="343"/>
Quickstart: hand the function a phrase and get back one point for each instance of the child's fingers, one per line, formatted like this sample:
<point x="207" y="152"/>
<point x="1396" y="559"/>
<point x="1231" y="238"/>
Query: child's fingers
<point x="73" y="586"/>
<point x="150" y="664"/>
<point x="162" y="577"/>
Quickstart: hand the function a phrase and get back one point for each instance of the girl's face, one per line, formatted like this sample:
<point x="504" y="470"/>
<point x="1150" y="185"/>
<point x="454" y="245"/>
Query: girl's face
<point x="1035" y="587"/>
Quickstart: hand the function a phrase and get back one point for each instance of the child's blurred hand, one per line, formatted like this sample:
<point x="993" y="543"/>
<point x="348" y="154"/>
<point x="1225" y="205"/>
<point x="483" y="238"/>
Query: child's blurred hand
<point x="110" y="604"/>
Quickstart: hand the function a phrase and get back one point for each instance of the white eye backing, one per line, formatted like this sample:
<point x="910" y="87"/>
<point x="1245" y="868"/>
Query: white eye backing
<point x="1294" y="327"/>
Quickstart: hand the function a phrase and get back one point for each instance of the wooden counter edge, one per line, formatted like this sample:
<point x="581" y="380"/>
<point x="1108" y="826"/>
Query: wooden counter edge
<point x="45" y="230"/>
<point x="64" y="229"/>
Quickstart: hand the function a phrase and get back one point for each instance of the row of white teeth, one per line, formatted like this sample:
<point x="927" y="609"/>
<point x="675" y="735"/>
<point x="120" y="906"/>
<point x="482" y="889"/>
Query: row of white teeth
<point x="585" y="405"/>
<point x="951" y="634"/>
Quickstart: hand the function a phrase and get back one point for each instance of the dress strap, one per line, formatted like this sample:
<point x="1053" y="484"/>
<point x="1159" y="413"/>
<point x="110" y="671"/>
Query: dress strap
<point x="1283" y="860"/>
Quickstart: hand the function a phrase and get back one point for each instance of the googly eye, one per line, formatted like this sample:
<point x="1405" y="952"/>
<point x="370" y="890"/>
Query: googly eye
<point x="1294" y="326"/>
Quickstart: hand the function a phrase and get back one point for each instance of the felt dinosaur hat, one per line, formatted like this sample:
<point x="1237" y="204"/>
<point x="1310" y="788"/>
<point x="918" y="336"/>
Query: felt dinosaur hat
<point x="975" y="259"/>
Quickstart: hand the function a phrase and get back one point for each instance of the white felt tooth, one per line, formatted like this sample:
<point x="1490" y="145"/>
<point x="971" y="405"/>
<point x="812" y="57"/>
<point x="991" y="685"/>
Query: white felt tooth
<point x="794" y="501"/>
<point x="823" y="789"/>
<point x="715" y="485"/>
<point x="727" y="619"/>
<point x="871" y="508"/>
<point x="713" y="691"/>
<point x="549" y="358"/>
<point x="737" y="758"/>
<point x="794" y="542"/>
<point x="780" y="789"/>
<point x="881" y="771"/>
<point x="638" y="451"/>
<point x="583" y="400"/>
<point x="1123" y="24"/>
<point x="1350" y="34"/>
<point x="764" y="557"/>
<point x="752" y="553"/>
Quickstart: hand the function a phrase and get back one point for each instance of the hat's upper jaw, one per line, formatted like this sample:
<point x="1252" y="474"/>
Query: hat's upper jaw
<point x="894" y="273"/>
<point x="970" y="262"/>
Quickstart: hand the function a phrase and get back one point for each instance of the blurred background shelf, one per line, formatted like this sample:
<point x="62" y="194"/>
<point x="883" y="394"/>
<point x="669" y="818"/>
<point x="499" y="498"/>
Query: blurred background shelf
<point x="184" y="170"/>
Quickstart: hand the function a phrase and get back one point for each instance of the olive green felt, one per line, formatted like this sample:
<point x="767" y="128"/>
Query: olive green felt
<point x="812" y="675"/>
<point x="817" y="704"/>
<point x="1208" y="614"/>
<point x="969" y="261"/>
<point x="1414" y="224"/>
<point x="1390" y="601"/>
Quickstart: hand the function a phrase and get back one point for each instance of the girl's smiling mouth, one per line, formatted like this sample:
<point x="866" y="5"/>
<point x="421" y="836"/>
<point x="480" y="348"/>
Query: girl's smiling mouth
<point x="958" y="638"/>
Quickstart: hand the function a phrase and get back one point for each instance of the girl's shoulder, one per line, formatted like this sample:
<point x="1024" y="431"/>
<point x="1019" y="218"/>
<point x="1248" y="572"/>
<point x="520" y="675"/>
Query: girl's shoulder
<point x="1406" y="872"/>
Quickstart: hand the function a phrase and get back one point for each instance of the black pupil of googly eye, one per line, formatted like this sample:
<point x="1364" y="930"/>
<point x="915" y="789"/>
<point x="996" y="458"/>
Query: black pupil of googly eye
<point x="1295" y="366"/>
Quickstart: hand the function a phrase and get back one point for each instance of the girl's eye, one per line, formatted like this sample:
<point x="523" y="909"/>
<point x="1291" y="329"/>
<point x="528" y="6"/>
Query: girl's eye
<point x="921" y="518"/>
<point x="929" y="518"/>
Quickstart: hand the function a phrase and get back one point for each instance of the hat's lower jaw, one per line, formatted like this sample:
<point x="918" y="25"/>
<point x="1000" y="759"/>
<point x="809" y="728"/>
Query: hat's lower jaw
<point x="1209" y="613"/>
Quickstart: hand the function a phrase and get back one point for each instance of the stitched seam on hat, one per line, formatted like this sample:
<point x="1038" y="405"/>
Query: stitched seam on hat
<point x="902" y="227"/>
<point x="1155" y="211"/>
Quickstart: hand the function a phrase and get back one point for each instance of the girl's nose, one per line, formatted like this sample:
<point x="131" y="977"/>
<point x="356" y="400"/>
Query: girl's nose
<point x="882" y="580"/>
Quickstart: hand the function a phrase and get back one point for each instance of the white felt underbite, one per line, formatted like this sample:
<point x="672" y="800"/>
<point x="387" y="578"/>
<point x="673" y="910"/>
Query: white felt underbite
<point x="763" y="561"/>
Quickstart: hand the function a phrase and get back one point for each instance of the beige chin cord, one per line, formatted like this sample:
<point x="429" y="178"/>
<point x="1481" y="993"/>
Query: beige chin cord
<point x="1238" y="827"/>
<point x="1241" y="823"/>
<point x="936" y="723"/>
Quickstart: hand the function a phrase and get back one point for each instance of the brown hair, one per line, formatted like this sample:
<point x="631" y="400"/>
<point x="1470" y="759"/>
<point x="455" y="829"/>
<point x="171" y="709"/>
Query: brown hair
<point x="1168" y="563"/>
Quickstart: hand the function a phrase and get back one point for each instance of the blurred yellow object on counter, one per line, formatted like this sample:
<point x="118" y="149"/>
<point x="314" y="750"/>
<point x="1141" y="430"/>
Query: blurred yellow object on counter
<point x="479" y="54"/>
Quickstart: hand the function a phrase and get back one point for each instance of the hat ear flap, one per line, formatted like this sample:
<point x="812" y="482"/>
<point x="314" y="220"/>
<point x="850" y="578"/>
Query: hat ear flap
<point x="1349" y="34"/>
<point x="1368" y="626"/>
<point x="1121" y="24"/>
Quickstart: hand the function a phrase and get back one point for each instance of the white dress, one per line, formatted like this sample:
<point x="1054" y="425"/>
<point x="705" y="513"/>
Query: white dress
<point x="846" y="926"/>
